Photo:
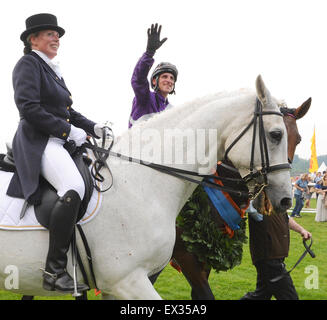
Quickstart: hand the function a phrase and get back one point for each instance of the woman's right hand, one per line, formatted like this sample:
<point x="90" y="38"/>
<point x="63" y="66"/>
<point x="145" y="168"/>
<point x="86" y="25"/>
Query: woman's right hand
<point x="78" y="135"/>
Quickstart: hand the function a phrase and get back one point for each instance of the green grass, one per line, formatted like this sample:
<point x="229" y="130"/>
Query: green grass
<point x="233" y="284"/>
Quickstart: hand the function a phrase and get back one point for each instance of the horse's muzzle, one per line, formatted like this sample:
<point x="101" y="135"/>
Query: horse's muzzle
<point x="285" y="204"/>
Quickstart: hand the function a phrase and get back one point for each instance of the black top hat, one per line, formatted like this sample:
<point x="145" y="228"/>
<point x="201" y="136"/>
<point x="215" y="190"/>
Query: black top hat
<point x="41" y="21"/>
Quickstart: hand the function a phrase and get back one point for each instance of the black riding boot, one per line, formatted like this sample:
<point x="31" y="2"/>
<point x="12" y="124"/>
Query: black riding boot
<point x="61" y="227"/>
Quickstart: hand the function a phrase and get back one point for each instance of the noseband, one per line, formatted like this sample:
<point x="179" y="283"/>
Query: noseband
<point x="265" y="165"/>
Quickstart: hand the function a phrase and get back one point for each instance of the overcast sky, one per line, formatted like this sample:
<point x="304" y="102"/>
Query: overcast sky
<point x="216" y="45"/>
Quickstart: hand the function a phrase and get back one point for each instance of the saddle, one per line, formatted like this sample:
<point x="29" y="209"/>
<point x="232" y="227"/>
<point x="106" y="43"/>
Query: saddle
<point x="49" y="194"/>
<point x="7" y="162"/>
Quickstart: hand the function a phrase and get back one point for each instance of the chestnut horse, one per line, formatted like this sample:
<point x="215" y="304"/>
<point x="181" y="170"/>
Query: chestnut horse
<point x="196" y="272"/>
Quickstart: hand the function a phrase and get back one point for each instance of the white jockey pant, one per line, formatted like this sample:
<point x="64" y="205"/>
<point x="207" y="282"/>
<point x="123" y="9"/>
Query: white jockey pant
<point x="59" y="169"/>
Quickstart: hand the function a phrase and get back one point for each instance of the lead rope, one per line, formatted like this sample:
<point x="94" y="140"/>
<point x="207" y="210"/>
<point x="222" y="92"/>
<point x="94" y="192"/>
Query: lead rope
<point x="307" y="250"/>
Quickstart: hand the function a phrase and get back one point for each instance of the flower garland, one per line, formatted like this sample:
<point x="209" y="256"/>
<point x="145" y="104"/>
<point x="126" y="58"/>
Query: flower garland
<point x="205" y="239"/>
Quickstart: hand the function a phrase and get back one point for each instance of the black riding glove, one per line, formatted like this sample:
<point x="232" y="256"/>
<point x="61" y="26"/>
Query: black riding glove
<point x="154" y="41"/>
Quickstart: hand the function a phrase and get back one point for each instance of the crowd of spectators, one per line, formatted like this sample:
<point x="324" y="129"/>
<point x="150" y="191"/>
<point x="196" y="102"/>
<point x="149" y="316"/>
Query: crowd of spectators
<point x="308" y="186"/>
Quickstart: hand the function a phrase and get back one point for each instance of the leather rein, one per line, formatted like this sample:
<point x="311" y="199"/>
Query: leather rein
<point x="101" y="155"/>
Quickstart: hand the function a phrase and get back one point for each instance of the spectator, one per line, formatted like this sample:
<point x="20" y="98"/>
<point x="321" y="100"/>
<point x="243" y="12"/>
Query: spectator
<point x="301" y="186"/>
<point x="308" y="193"/>
<point x="317" y="177"/>
<point x="321" y="189"/>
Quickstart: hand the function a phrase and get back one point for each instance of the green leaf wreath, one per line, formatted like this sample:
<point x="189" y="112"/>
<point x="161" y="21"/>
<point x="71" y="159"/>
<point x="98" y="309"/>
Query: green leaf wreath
<point x="203" y="238"/>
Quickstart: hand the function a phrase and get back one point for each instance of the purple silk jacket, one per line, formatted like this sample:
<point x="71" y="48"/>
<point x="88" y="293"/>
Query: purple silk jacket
<point x="145" y="103"/>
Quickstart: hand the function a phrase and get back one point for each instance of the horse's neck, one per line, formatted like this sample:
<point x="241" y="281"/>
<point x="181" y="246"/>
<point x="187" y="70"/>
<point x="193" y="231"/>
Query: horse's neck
<point x="151" y="142"/>
<point x="203" y="126"/>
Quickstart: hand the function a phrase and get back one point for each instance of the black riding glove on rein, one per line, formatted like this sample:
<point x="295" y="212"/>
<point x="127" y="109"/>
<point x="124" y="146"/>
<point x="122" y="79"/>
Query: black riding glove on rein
<point x="154" y="41"/>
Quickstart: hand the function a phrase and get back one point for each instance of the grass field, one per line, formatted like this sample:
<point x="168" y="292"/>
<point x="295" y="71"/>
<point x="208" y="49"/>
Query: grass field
<point x="233" y="284"/>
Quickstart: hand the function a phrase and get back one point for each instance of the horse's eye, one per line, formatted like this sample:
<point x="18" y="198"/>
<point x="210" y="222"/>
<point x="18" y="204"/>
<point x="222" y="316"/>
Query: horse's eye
<point x="276" y="135"/>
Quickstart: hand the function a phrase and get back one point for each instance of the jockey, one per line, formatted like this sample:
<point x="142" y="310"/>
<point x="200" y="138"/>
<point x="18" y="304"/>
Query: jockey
<point x="146" y="103"/>
<point x="47" y="122"/>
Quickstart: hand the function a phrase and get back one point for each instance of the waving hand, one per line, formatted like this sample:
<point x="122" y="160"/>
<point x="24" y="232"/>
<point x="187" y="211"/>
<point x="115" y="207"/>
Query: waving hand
<point x="154" y="41"/>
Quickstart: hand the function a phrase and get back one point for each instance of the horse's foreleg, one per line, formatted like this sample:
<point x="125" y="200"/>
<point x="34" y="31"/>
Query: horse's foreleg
<point x="135" y="286"/>
<point x="200" y="288"/>
<point x="193" y="270"/>
<point x="197" y="276"/>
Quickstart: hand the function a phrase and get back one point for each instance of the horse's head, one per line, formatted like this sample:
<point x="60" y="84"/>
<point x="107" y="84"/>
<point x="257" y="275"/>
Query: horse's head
<point x="293" y="135"/>
<point x="290" y="117"/>
<point x="293" y="139"/>
<point x="264" y="160"/>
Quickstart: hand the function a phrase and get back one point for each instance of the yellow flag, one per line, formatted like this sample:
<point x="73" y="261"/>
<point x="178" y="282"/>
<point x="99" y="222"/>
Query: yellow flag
<point x="313" y="159"/>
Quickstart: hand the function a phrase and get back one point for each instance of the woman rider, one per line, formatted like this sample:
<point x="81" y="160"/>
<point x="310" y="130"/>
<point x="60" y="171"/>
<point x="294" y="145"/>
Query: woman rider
<point x="47" y="122"/>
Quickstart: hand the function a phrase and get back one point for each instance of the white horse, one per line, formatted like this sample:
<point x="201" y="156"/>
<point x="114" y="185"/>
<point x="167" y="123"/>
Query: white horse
<point x="133" y="235"/>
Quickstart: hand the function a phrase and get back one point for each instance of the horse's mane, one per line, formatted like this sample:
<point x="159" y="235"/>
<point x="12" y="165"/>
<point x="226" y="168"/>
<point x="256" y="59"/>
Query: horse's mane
<point x="194" y="105"/>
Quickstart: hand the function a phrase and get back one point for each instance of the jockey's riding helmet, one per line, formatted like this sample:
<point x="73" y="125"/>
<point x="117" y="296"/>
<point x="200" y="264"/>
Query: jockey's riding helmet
<point x="163" y="67"/>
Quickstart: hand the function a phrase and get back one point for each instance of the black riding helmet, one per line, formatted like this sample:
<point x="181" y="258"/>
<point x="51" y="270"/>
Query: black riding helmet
<point x="162" y="68"/>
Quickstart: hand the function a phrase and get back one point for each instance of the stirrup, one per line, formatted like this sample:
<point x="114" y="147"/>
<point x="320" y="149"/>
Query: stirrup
<point x="54" y="276"/>
<point x="47" y="285"/>
<point x="75" y="294"/>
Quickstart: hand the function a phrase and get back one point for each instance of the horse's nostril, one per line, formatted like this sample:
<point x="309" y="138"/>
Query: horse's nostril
<point x="286" y="203"/>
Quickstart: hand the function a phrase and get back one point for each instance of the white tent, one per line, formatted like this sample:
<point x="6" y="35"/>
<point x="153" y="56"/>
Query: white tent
<point x="322" y="167"/>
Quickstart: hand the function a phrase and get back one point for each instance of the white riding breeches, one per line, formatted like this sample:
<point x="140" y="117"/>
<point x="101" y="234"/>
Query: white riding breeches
<point x="59" y="169"/>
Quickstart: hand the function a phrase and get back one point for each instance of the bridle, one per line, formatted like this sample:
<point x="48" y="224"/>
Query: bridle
<point x="102" y="154"/>
<point x="266" y="168"/>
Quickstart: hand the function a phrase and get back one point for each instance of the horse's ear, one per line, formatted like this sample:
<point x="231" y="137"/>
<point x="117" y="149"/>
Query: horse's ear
<point x="262" y="92"/>
<point x="303" y="109"/>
